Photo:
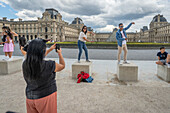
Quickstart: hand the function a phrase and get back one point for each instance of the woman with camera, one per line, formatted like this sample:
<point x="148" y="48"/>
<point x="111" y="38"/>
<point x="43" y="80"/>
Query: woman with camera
<point x="39" y="74"/>
<point x="8" y="42"/>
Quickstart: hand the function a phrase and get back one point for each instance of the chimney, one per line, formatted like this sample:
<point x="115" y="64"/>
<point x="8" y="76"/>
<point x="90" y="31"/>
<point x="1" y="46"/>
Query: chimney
<point x="20" y="19"/>
<point x="11" y="20"/>
<point x="159" y="17"/>
<point x="4" y="18"/>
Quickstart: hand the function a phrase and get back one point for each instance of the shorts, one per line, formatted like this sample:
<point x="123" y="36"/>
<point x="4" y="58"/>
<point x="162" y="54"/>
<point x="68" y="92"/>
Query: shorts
<point x="163" y="61"/>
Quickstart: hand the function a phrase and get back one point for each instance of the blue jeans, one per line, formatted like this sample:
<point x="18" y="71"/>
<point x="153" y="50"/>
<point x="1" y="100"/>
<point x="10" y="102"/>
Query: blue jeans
<point x="82" y="45"/>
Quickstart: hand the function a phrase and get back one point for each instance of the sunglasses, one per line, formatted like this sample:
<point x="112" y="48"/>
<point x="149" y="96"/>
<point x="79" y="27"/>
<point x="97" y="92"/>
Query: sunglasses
<point x="121" y="26"/>
<point x="85" y="28"/>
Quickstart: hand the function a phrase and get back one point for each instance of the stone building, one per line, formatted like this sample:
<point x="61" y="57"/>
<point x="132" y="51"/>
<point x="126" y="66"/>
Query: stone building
<point x="159" y="31"/>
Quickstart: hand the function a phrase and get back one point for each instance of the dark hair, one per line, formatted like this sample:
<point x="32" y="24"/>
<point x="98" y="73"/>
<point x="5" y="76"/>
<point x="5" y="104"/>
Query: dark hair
<point x="162" y="47"/>
<point x="8" y="31"/>
<point x="4" y="27"/>
<point x="120" y="24"/>
<point x="34" y="60"/>
<point x="83" y="28"/>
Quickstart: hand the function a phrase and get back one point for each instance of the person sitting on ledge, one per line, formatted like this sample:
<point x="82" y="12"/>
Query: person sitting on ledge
<point x="39" y="74"/>
<point x="162" y="55"/>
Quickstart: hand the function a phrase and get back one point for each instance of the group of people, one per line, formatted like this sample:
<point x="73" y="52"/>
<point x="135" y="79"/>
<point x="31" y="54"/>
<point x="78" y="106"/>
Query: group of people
<point x="39" y="74"/>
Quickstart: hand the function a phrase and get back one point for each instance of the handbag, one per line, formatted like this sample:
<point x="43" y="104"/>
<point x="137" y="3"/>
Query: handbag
<point x="89" y="80"/>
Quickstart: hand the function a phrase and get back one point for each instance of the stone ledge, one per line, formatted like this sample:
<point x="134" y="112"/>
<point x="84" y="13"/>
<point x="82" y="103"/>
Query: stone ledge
<point x="163" y="72"/>
<point x="12" y="66"/>
<point x="127" y="72"/>
<point x="82" y="66"/>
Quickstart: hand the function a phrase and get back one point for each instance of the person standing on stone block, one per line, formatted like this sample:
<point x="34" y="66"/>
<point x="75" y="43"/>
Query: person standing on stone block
<point x="8" y="43"/>
<point x="39" y="74"/>
<point x="162" y="56"/>
<point x="122" y="40"/>
<point x="82" y="43"/>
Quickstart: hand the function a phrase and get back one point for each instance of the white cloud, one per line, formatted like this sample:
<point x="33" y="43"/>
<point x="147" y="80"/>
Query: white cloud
<point x="2" y="5"/>
<point x="98" y="14"/>
<point x="5" y="1"/>
<point x="107" y="28"/>
<point x="28" y="14"/>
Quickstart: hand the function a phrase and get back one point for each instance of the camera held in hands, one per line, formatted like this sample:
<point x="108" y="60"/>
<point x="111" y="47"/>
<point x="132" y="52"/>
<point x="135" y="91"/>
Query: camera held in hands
<point x="57" y="47"/>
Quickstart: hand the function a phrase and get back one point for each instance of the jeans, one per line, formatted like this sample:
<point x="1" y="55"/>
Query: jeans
<point x="82" y="45"/>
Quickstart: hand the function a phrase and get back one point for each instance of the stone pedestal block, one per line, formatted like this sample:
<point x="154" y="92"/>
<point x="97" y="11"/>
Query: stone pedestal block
<point x="12" y="66"/>
<point x="127" y="72"/>
<point x="78" y="67"/>
<point x="163" y="72"/>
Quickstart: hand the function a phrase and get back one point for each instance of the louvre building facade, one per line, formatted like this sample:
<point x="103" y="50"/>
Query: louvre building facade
<point x="51" y="26"/>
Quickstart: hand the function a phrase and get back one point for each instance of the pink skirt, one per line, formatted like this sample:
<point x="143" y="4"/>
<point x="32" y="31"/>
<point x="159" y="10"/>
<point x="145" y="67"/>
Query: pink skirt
<point x="8" y="47"/>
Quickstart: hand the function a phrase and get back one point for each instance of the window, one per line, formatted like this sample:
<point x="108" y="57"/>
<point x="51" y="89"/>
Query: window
<point x="46" y="29"/>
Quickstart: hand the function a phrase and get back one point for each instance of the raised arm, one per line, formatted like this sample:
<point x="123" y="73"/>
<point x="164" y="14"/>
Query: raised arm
<point x="126" y="28"/>
<point x="50" y="49"/>
<point x="61" y="65"/>
<point x="14" y="34"/>
<point x="22" y="51"/>
<point x="90" y="32"/>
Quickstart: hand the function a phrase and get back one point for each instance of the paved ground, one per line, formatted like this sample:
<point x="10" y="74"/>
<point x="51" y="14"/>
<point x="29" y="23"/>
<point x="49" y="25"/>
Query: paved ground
<point x="105" y="95"/>
<point x="100" y="54"/>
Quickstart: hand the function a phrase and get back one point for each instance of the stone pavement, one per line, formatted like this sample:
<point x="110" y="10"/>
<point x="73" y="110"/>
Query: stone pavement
<point x="105" y="95"/>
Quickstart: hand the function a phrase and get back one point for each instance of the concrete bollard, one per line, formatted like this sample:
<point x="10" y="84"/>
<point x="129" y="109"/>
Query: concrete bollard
<point x="78" y="67"/>
<point x="163" y="72"/>
<point x="12" y="66"/>
<point x="127" y="72"/>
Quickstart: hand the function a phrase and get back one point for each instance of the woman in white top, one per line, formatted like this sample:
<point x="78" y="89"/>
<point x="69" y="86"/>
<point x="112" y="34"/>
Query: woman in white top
<point x="81" y="43"/>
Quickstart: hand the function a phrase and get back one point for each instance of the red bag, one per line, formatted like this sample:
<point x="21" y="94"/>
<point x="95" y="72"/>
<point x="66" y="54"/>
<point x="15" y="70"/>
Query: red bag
<point x="82" y="76"/>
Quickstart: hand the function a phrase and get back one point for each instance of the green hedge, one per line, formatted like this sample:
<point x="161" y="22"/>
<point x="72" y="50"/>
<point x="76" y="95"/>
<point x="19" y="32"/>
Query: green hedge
<point x="113" y="43"/>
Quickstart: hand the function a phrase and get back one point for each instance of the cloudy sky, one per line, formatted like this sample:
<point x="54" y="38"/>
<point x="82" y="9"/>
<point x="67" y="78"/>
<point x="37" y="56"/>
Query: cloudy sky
<point x="101" y="15"/>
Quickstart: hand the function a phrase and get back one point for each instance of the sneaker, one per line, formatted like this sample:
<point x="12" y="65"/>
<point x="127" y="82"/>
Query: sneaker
<point x="88" y="61"/>
<point x="119" y="63"/>
<point x="10" y="59"/>
<point x="168" y="65"/>
<point x="78" y="61"/>
<point x="125" y="62"/>
<point x="5" y="58"/>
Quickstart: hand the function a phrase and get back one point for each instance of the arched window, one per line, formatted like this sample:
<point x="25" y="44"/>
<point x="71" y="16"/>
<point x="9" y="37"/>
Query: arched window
<point x="46" y="29"/>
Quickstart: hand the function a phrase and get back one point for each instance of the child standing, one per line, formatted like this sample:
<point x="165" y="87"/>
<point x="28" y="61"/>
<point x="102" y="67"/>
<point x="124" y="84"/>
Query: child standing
<point x="8" y="44"/>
